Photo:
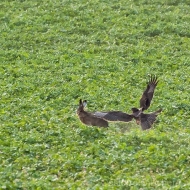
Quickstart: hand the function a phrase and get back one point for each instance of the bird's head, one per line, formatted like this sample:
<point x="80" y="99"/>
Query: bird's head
<point x="136" y="111"/>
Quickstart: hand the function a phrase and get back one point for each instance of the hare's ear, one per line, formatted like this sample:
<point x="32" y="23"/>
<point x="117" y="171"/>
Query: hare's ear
<point x="80" y="102"/>
<point x="84" y="103"/>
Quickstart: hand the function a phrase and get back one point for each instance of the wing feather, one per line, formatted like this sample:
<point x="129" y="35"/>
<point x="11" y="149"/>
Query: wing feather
<point x="148" y="93"/>
<point x="114" y="116"/>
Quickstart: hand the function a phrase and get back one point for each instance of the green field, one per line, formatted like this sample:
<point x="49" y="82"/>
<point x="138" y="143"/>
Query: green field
<point x="55" y="52"/>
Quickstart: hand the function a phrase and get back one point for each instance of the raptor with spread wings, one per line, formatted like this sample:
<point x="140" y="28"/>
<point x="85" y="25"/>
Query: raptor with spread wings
<point x="144" y="120"/>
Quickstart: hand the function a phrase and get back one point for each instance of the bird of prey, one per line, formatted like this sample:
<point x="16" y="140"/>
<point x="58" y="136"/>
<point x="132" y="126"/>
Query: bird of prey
<point x="145" y="120"/>
<point x="88" y="118"/>
<point x="148" y="93"/>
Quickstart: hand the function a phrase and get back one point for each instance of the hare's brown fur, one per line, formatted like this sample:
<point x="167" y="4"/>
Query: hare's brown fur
<point x="88" y="118"/>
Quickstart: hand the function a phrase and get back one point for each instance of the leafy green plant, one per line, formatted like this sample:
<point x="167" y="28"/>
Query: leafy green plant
<point x="55" y="52"/>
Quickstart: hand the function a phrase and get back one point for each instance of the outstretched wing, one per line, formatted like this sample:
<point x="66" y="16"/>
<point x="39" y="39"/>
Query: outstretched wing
<point x="147" y="120"/>
<point x="114" y="116"/>
<point x="148" y="93"/>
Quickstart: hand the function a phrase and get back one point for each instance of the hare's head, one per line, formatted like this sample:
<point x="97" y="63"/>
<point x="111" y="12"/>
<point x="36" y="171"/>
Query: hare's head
<point x="82" y="104"/>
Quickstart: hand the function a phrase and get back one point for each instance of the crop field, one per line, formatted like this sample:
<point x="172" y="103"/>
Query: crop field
<point x="55" y="52"/>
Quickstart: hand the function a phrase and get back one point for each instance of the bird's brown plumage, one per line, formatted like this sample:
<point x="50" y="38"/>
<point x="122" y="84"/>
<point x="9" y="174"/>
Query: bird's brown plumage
<point x="145" y="120"/>
<point x="115" y="116"/>
<point x="148" y="93"/>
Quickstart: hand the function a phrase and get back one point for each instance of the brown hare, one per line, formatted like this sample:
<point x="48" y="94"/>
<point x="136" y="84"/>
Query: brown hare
<point x="88" y="118"/>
